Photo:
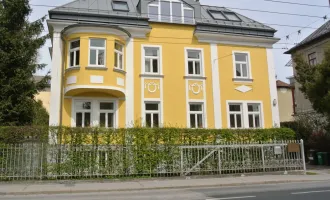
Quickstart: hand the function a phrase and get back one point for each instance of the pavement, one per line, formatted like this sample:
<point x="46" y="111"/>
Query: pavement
<point x="70" y="187"/>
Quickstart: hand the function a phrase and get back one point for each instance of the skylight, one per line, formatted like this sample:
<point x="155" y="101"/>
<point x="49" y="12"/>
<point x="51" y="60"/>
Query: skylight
<point x="217" y="14"/>
<point x="232" y="16"/>
<point x="120" y="6"/>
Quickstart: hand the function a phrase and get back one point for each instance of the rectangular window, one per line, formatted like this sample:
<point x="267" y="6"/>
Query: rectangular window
<point x="120" y="6"/>
<point x="312" y="59"/>
<point x="194" y="62"/>
<point x="118" y="56"/>
<point x="176" y="12"/>
<point x="236" y="115"/>
<point x="153" y="12"/>
<point x="151" y="60"/>
<point x="217" y="14"/>
<point x="232" y="16"/>
<point x="107" y="115"/>
<point x="196" y="115"/>
<point x="242" y="65"/>
<point x="152" y="114"/>
<point x="74" y="53"/>
<point x="254" y="115"/>
<point x="97" y="53"/>
<point x="83" y="113"/>
<point x="165" y="9"/>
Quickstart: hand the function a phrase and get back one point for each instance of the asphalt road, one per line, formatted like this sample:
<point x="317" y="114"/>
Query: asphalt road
<point x="301" y="191"/>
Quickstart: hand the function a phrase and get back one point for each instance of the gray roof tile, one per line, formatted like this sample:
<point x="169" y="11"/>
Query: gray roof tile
<point x="319" y="33"/>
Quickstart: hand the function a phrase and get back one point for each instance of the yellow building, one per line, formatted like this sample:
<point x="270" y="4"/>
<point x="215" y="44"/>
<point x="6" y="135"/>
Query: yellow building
<point x="120" y="63"/>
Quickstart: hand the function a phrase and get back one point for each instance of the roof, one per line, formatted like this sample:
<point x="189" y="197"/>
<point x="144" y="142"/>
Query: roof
<point x="320" y="33"/>
<point x="100" y="11"/>
<point x="281" y="84"/>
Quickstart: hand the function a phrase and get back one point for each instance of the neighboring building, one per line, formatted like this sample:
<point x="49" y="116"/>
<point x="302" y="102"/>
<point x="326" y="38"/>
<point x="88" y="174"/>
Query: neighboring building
<point x="43" y="95"/>
<point x="285" y="93"/>
<point x="160" y="63"/>
<point x="312" y="48"/>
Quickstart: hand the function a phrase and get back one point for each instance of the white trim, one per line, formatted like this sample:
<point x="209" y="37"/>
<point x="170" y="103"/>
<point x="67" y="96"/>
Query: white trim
<point x="56" y="74"/>
<point x="71" y="80"/>
<point x="186" y="49"/>
<point x="236" y="40"/>
<point x="249" y="70"/>
<point x="69" y="88"/>
<point x="95" y="29"/>
<point x="96" y="79"/>
<point x="130" y="83"/>
<point x="160" y="60"/>
<point x="216" y="87"/>
<point x="245" y="117"/>
<point x="273" y="88"/>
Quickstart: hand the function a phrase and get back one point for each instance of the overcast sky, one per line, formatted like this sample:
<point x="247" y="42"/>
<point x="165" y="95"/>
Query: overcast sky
<point x="270" y="18"/>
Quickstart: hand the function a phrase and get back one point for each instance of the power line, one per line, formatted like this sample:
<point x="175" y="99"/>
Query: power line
<point x="296" y="3"/>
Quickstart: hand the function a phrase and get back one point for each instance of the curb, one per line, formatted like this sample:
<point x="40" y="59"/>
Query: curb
<point x="154" y="188"/>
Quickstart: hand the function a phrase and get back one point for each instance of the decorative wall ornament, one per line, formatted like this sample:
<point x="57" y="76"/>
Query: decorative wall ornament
<point x="243" y="88"/>
<point x="196" y="88"/>
<point x="152" y="87"/>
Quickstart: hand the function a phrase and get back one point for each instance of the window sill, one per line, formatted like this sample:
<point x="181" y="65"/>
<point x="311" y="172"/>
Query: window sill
<point x="195" y="77"/>
<point x="97" y="68"/>
<point x="248" y="80"/>
<point x="72" y="69"/>
<point x="152" y="75"/>
<point x="119" y="70"/>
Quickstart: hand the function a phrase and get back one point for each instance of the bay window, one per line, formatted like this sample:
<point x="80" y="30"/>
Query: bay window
<point x="74" y="53"/>
<point x="118" y="56"/>
<point x="97" y="52"/>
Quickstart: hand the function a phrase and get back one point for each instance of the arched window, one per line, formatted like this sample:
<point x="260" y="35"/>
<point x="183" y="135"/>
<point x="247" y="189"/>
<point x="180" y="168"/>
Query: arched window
<point x="173" y="11"/>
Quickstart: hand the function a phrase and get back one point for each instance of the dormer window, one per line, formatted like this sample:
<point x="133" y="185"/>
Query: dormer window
<point x="173" y="11"/>
<point x="120" y="6"/>
<point x="217" y="15"/>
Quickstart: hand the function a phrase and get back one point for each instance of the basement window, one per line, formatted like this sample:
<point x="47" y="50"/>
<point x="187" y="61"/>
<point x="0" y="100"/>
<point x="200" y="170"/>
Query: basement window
<point x="120" y="6"/>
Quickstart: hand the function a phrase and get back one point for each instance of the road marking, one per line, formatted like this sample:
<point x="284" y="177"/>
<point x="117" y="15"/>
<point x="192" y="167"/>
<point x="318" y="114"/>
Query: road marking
<point x="311" y="192"/>
<point x="233" y="198"/>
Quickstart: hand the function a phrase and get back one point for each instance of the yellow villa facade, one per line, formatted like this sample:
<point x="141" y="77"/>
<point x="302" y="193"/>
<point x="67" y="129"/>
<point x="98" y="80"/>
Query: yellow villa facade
<point x="161" y="63"/>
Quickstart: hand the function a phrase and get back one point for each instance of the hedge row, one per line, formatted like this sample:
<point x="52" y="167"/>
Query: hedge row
<point x="141" y="136"/>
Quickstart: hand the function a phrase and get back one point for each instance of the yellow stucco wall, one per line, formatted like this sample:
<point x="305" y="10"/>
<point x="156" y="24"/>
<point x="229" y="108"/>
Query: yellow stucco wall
<point x="44" y="96"/>
<point x="285" y="104"/>
<point x="173" y="40"/>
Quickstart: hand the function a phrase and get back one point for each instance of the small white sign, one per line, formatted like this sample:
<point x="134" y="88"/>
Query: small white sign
<point x="278" y="150"/>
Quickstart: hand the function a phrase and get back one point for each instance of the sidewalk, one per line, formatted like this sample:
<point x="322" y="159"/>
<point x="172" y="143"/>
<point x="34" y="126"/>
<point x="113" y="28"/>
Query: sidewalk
<point x="88" y="187"/>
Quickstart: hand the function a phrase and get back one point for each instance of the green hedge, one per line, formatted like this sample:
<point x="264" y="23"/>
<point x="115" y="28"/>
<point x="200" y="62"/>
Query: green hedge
<point x="141" y="136"/>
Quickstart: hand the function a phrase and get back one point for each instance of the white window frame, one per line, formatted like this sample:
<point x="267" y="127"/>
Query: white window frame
<point x="95" y="109"/>
<point x="75" y="53"/>
<point x="113" y="111"/>
<point x="254" y="113"/>
<point x="312" y="61"/>
<point x="159" y="57"/>
<point x="183" y="8"/>
<point x="245" y="117"/>
<point x="83" y="111"/>
<point x="201" y="60"/>
<point x="152" y="112"/>
<point x="118" y="56"/>
<point x="97" y="50"/>
<point x="236" y="113"/>
<point x="196" y="113"/>
<point x="248" y="63"/>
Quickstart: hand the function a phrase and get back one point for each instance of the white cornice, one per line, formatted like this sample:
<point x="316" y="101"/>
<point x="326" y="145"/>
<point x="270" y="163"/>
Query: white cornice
<point x="58" y="25"/>
<point x="74" y="87"/>
<point x="95" y="29"/>
<point x="138" y="32"/>
<point x="236" y="40"/>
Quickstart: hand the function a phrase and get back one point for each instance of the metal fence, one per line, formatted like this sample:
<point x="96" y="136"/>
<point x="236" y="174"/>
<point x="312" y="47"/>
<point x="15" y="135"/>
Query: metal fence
<point x="44" y="161"/>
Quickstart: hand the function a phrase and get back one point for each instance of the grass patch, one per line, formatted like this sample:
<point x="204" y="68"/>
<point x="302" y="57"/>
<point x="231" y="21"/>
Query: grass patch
<point x="311" y="173"/>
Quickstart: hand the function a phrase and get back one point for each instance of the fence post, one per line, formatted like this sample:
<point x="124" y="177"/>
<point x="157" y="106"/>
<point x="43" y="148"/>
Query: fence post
<point x="263" y="158"/>
<point x="181" y="149"/>
<point x="302" y="149"/>
<point x="219" y="161"/>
